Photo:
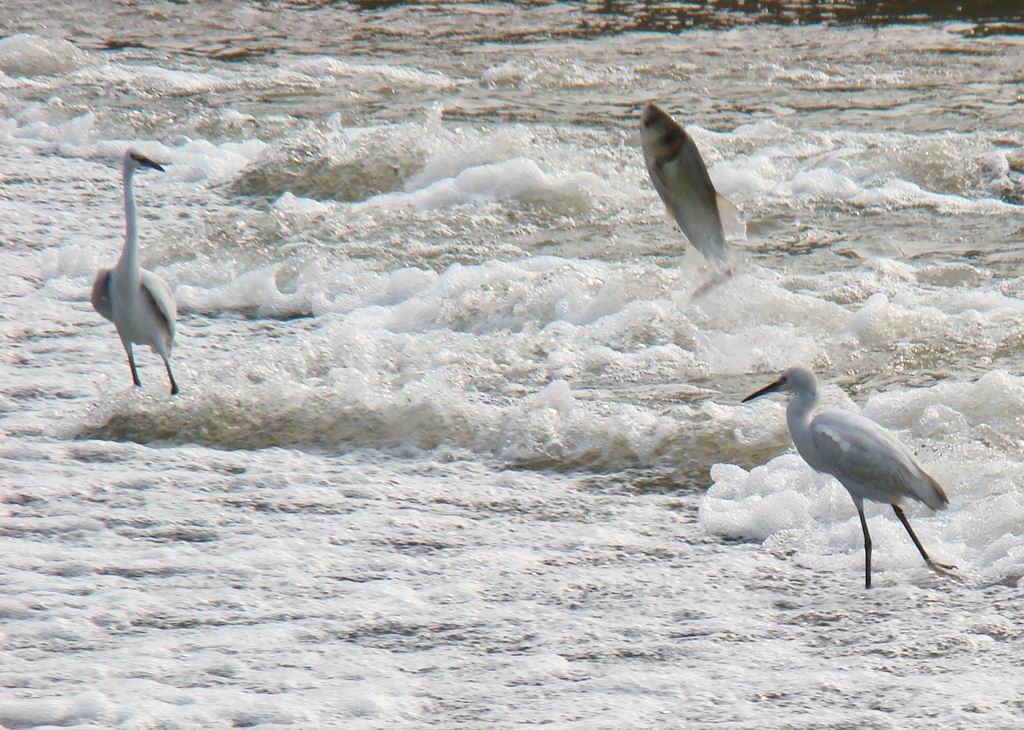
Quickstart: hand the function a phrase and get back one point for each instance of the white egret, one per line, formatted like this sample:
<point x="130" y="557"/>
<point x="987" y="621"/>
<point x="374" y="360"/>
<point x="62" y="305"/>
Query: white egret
<point x="138" y="302"/>
<point x="863" y="456"/>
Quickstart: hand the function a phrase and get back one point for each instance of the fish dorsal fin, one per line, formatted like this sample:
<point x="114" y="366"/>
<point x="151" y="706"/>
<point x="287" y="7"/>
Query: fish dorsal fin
<point x="733" y="224"/>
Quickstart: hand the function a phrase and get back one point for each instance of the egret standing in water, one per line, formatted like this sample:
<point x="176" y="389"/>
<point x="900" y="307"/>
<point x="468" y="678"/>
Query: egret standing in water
<point x="863" y="456"/>
<point x="138" y="302"/>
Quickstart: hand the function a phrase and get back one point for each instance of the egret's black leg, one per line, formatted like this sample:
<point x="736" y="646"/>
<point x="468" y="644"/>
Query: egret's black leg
<point x="131" y="364"/>
<point x="937" y="567"/>
<point x="867" y="547"/>
<point x="170" y="376"/>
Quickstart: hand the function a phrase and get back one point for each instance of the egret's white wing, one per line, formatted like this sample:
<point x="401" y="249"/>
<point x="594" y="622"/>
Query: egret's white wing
<point x="160" y="298"/>
<point x="853" y="447"/>
<point x="100" y="296"/>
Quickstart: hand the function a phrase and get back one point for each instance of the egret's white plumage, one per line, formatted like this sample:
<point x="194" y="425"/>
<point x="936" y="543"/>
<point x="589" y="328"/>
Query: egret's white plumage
<point x="138" y="302"/>
<point x="866" y="459"/>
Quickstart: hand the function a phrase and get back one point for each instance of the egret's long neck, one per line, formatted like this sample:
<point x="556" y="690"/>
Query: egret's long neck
<point x="799" y="410"/>
<point x="128" y="264"/>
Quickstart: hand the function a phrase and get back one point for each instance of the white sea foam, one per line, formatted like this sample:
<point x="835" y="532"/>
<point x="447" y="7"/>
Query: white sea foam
<point x="521" y="179"/>
<point x="769" y="160"/>
<point x="374" y="73"/>
<point x="25" y="54"/>
<point x="802" y="76"/>
<point x="338" y="163"/>
<point x="548" y="73"/>
<point x="88" y="707"/>
<point x="155" y="79"/>
<point x="190" y="160"/>
<point x="461" y="150"/>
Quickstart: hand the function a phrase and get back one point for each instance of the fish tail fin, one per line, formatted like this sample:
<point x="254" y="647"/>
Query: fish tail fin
<point x="731" y="216"/>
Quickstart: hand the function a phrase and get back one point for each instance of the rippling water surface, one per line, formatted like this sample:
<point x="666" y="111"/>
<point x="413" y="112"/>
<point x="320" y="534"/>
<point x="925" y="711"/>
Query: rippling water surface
<point x="459" y="441"/>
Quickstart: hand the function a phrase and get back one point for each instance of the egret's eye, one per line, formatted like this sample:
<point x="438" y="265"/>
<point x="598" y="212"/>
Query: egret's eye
<point x="648" y="122"/>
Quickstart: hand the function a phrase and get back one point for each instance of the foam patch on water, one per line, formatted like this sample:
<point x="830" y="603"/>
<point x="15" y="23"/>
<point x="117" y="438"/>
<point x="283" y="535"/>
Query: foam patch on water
<point x="152" y="80"/>
<point x="803" y="77"/>
<point x="29" y="55"/>
<point x="426" y="193"/>
<point x="952" y="174"/>
<point x="78" y="137"/>
<point x="339" y="164"/>
<point x="961" y="315"/>
<point x="30" y="131"/>
<point x="520" y="179"/>
<point x="459" y="150"/>
<point x="989" y="410"/>
<point x="549" y="73"/>
<point x="526" y="294"/>
<point x="374" y="73"/>
<point x="968" y="435"/>
<point x="411" y="410"/>
<point x="88" y="707"/>
<point x="418" y="168"/>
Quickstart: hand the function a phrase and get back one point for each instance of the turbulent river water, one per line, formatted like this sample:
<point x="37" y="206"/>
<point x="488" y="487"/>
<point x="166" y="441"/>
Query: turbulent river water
<point x="459" y="441"/>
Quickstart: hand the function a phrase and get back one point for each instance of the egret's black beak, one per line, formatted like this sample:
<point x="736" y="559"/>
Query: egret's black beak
<point x="770" y="388"/>
<point x="146" y="162"/>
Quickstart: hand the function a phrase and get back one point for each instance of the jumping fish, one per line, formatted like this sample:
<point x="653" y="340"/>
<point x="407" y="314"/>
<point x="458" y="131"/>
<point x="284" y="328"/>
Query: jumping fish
<point x="682" y="181"/>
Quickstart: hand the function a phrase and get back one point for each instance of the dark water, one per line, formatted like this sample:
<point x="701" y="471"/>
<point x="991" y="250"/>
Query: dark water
<point x="674" y="17"/>
<point x="240" y="31"/>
